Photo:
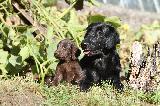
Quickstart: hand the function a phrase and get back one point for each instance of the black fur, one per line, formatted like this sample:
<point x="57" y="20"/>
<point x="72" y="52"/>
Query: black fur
<point x="101" y="62"/>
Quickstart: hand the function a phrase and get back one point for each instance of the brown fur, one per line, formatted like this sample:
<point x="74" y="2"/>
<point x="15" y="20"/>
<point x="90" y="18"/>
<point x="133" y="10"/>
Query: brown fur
<point x="68" y="68"/>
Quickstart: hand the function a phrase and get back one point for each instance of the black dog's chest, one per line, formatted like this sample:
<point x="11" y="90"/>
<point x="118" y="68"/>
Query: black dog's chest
<point x="102" y="64"/>
<point x="99" y="64"/>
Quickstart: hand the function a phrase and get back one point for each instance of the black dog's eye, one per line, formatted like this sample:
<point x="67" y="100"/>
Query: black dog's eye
<point x="99" y="32"/>
<point x="106" y="29"/>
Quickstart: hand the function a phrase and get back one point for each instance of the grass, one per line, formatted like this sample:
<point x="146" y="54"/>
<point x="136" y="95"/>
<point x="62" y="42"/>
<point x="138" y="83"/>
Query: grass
<point x="19" y="90"/>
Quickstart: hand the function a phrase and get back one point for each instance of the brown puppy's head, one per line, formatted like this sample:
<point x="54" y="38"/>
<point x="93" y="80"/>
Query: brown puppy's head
<point x="67" y="50"/>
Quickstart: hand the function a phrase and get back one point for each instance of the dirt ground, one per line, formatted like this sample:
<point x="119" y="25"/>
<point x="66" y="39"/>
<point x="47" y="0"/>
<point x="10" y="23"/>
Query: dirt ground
<point x="25" y="98"/>
<point x="20" y="92"/>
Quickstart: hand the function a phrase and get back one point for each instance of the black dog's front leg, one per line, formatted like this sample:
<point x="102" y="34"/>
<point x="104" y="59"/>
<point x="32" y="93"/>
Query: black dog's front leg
<point x="92" y="77"/>
<point x="116" y="77"/>
<point x="95" y="77"/>
<point x="85" y="85"/>
<point x="118" y="85"/>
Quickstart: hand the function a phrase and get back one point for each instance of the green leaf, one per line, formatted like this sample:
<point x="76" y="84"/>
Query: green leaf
<point x="73" y="23"/>
<point x="3" y="69"/>
<point x="24" y="53"/>
<point x="33" y="44"/>
<point x="12" y="34"/>
<point x="73" y="18"/>
<point x="3" y="57"/>
<point x="47" y="3"/>
<point x="16" y="42"/>
<point x="1" y="44"/>
<point x="3" y="61"/>
<point x="53" y="65"/>
<point x="50" y="50"/>
<point x="49" y="37"/>
<point x="95" y="18"/>
<point x="138" y="35"/>
<point x="52" y="45"/>
<point x="74" y="27"/>
<point x="114" y="20"/>
<point x="13" y="60"/>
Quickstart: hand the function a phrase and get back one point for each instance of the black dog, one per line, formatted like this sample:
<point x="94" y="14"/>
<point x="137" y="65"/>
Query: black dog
<point x="101" y="62"/>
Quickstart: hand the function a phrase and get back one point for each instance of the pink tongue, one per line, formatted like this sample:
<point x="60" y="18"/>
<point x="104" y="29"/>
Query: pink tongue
<point x="86" y="52"/>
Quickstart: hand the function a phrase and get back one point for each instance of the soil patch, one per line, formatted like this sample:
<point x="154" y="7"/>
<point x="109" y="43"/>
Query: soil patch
<point x="20" y="92"/>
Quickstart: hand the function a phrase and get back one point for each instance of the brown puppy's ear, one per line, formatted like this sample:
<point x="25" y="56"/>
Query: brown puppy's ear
<point x="78" y="52"/>
<point x="75" y="52"/>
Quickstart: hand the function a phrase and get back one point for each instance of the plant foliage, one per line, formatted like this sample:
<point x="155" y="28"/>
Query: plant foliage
<point x="23" y="51"/>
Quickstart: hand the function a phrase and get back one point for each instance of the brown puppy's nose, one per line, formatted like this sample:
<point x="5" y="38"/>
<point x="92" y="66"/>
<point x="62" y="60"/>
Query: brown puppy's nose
<point x="56" y="54"/>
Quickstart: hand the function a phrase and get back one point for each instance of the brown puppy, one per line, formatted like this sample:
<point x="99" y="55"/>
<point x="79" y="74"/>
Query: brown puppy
<point x="68" y="68"/>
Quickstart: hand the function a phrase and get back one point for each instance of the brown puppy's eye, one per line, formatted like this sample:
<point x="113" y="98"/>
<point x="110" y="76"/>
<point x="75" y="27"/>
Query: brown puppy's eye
<point x="65" y="46"/>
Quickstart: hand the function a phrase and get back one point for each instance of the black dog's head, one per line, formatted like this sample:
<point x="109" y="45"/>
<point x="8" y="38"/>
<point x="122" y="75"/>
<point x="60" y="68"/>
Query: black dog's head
<point x="67" y="50"/>
<point x="99" y="37"/>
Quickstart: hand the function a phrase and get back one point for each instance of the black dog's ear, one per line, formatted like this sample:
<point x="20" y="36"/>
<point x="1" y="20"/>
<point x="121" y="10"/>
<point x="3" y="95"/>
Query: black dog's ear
<point x="75" y="52"/>
<point x="117" y="39"/>
<point x="113" y="38"/>
<point x="90" y="26"/>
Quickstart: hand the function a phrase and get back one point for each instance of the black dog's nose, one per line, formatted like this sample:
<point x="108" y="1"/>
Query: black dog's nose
<point x="84" y="45"/>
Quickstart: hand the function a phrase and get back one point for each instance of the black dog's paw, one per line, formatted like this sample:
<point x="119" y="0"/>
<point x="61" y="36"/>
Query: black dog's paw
<point x="119" y="86"/>
<point x="85" y="85"/>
